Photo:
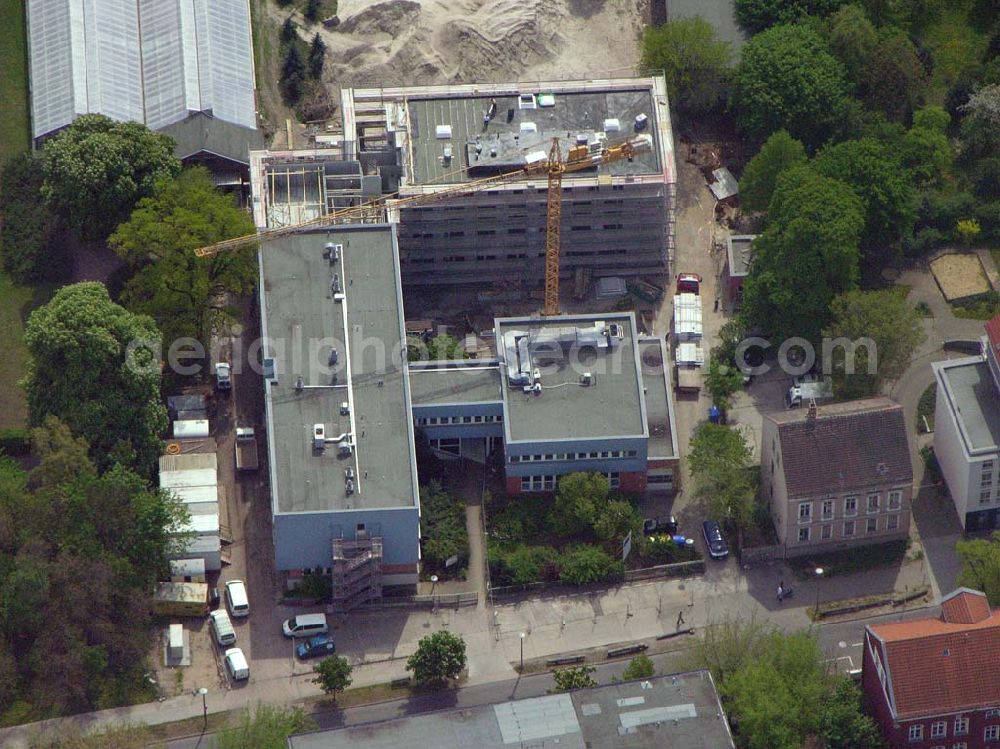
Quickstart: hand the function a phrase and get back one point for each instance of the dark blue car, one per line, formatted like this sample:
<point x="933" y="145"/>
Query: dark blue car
<point x="316" y="647"/>
<point x="717" y="548"/>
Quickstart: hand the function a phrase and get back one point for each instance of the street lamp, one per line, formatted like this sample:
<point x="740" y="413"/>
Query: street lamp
<point x="819" y="574"/>
<point x="204" y="706"/>
<point x="434" y="580"/>
<point x="522" y="636"/>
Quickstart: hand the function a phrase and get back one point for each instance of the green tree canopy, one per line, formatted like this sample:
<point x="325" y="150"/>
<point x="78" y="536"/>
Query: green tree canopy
<point x="640" y="667"/>
<point x="585" y="563"/>
<point x="29" y="247"/>
<point x="852" y="40"/>
<point x="577" y="677"/>
<point x="184" y="293"/>
<point x="885" y="188"/>
<point x="333" y="674"/>
<point x="980" y="560"/>
<point x="925" y="149"/>
<point x="579" y="500"/>
<point x="779" y="153"/>
<point x="722" y="380"/>
<point x="755" y="16"/>
<point x="894" y="78"/>
<point x="317" y="55"/>
<point x="439" y="348"/>
<point x="96" y="170"/>
<point x="438" y="658"/>
<point x="787" y="79"/>
<point x="616" y="521"/>
<point x="890" y="322"/>
<point x="719" y="458"/>
<point x="807" y="255"/>
<point x="81" y="370"/>
<point x="843" y="724"/>
<point x="697" y="66"/>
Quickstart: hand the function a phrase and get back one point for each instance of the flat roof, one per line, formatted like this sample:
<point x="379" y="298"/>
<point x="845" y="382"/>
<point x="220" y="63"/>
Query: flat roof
<point x="668" y="712"/>
<point x="439" y="383"/>
<point x="659" y="399"/>
<point x="303" y="324"/>
<point x="613" y="405"/>
<point x="738" y="249"/>
<point x="972" y="397"/>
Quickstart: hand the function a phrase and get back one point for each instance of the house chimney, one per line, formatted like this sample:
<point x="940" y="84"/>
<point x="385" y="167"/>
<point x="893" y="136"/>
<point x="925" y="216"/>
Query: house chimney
<point x="811" y="413"/>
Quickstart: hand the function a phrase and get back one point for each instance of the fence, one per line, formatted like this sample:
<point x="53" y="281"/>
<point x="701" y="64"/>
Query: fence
<point x="755" y="554"/>
<point x="455" y="600"/>
<point x="678" y="569"/>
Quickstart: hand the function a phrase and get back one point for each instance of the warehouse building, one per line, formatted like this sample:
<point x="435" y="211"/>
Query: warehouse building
<point x="617" y="218"/>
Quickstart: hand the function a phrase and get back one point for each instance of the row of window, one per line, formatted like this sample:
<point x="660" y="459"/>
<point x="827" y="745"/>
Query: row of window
<point x="447" y="444"/>
<point x="594" y="455"/>
<point x="871" y="526"/>
<point x="986" y="482"/>
<point x="424" y="421"/>
<point x="547" y="483"/>
<point x="872" y="506"/>
<point x="939" y="730"/>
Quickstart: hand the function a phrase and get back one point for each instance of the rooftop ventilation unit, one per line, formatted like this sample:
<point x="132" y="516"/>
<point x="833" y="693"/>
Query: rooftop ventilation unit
<point x="612" y="125"/>
<point x="332" y="252"/>
<point x="299" y="384"/>
<point x="333" y="358"/>
<point x="335" y="284"/>
<point x="442" y="132"/>
<point x="344" y="448"/>
<point x="582" y="139"/>
<point x="526" y="101"/>
<point x="319" y="437"/>
<point x="345" y="408"/>
<point x="587" y="379"/>
<point x="640" y="121"/>
<point x="529" y="127"/>
<point x="446" y="154"/>
<point x="546" y="100"/>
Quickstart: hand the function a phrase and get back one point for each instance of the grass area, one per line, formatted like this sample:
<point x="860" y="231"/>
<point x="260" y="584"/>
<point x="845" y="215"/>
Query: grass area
<point x="16" y="302"/>
<point x="956" y="46"/>
<point x="14" y="132"/>
<point x="925" y="409"/>
<point x="849" y="561"/>
<point x="981" y="307"/>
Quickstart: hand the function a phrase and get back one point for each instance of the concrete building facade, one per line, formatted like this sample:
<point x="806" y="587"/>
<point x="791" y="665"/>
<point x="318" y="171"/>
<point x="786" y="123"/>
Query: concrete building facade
<point x="837" y="476"/>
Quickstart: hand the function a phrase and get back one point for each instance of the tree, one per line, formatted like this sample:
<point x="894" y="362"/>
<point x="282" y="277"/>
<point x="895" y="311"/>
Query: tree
<point x="640" y="667"/>
<point x="62" y="457"/>
<point x="843" y="724"/>
<point x="30" y="249"/>
<point x="577" y="677"/>
<point x="894" y="78"/>
<point x="317" y="55"/>
<point x="96" y="170"/>
<point x="806" y="256"/>
<point x="885" y="188"/>
<point x="779" y="153"/>
<point x="852" y="40"/>
<point x="312" y="11"/>
<point x="787" y="79"/>
<point x="980" y="560"/>
<point x="883" y="317"/>
<point x="968" y="230"/>
<point x="289" y="31"/>
<point x="578" y="501"/>
<point x="616" y="521"/>
<point x="442" y="525"/>
<point x="265" y="727"/>
<point x="980" y="123"/>
<point x="293" y="73"/>
<point x="719" y="458"/>
<point x="184" y="293"/>
<point x="727" y="644"/>
<point x="439" y="348"/>
<point x="755" y="16"/>
<point x="722" y="380"/>
<point x="82" y="370"/>
<point x="695" y="64"/>
<point x="438" y="658"/>
<point x="925" y="149"/>
<point x="585" y="564"/>
<point x="333" y="674"/>
<point x="715" y="448"/>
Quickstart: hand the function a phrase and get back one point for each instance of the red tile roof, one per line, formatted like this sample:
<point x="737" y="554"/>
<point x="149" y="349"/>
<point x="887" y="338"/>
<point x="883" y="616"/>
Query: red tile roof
<point x="849" y="446"/>
<point x="993" y="332"/>
<point x="936" y="666"/>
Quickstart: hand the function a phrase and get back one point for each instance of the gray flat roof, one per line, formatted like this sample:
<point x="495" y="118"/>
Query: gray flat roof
<point x="659" y="400"/>
<point x="972" y="397"/>
<point x="302" y="319"/>
<point x="612" y="406"/>
<point x="668" y="712"/>
<point x="578" y="112"/>
<point x="437" y="383"/>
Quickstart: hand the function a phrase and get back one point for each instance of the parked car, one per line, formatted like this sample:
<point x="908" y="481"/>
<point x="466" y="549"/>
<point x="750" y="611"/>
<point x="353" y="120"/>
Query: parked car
<point x="236" y="597"/>
<point x="652" y="526"/>
<point x="236" y="664"/>
<point x="316" y="647"/>
<point x="305" y="625"/>
<point x="717" y="548"/>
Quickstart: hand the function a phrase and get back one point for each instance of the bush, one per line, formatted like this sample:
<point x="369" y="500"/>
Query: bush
<point x="15" y="442"/>
<point x="923" y="242"/>
<point x="588" y="564"/>
<point x="522" y="565"/>
<point x="661" y="549"/>
<point x="442" y="523"/>
<point x="640" y="667"/>
<point x="315" y="585"/>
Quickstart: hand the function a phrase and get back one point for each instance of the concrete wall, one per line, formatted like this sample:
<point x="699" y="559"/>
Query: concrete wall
<point x="950" y="452"/>
<point x="305" y="539"/>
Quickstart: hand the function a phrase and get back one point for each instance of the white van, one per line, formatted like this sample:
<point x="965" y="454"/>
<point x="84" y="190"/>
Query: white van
<point x="222" y="628"/>
<point x="236" y="664"/>
<point x="305" y="625"/>
<point x="236" y="597"/>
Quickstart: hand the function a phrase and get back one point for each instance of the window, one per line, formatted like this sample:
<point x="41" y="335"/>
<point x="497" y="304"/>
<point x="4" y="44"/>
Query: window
<point x="892" y="523"/>
<point x="826" y="533"/>
<point x="538" y="483"/>
<point x="851" y="505"/>
<point x="992" y="733"/>
<point x="986" y="479"/>
<point x="478" y="419"/>
<point x="614" y="479"/>
<point x="448" y="445"/>
<point x="960" y="745"/>
<point x="895" y="500"/>
<point x="805" y="512"/>
<point x="827" y="509"/>
<point x="984" y="497"/>
<point x="803" y="534"/>
<point x="848" y="529"/>
<point x="916" y="732"/>
<point x="992" y="714"/>
<point x="939" y="729"/>
<point x="631" y="453"/>
<point x="593" y="455"/>
<point x="961" y="725"/>
<point x="873" y="499"/>
<point x="872" y="525"/>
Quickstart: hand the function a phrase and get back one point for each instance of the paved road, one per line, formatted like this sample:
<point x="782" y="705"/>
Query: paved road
<point x="841" y="641"/>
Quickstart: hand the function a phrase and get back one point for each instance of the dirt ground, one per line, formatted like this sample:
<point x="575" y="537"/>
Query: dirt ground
<point x="960" y="275"/>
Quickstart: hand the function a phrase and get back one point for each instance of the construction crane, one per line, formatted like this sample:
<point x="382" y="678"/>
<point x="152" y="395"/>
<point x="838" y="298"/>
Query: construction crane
<point x="580" y="157"/>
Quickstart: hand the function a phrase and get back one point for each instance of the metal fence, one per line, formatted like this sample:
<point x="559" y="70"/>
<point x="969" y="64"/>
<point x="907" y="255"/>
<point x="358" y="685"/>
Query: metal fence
<point x="754" y="554"/>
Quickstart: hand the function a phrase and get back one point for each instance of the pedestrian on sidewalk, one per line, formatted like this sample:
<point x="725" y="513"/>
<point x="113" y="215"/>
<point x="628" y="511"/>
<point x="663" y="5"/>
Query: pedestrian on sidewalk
<point x="680" y="619"/>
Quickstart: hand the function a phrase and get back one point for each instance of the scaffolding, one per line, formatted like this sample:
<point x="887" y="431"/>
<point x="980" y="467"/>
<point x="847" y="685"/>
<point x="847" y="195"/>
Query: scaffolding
<point x="357" y="572"/>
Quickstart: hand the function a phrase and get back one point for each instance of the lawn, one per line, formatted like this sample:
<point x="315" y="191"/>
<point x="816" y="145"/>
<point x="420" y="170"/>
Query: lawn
<point x="16" y="302"/>
<point x="14" y="133"/>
